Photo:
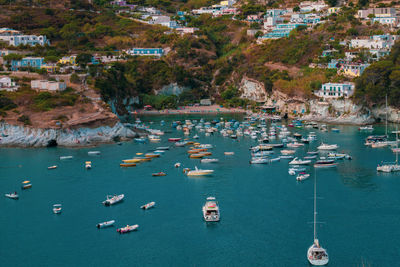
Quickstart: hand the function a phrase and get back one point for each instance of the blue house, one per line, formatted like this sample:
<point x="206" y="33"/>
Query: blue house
<point x="145" y="52"/>
<point x="282" y="30"/>
<point x="27" y="62"/>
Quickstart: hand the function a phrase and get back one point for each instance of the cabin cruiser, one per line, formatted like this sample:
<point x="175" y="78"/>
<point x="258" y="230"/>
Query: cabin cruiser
<point x="388" y="167"/>
<point x="111" y="200"/>
<point x="211" y="210"/>
<point x="327" y="147"/>
<point x="259" y="160"/>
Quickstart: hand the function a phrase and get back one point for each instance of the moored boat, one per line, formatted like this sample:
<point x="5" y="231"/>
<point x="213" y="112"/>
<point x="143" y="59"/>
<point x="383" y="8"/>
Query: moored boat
<point x="199" y="172"/>
<point x="148" y="205"/>
<point x="111" y="200"/>
<point x="229" y="153"/>
<point x="127" y="229"/>
<point x="105" y="224"/>
<point x="88" y="165"/>
<point x="209" y="160"/>
<point x="325" y="163"/>
<point x="66" y="157"/>
<point x="52" y="167"/>
<point x="159" y="174"/>
<point x="12" y="195"/>
<point x="211" y="210"/>
<point x="302" y="176"/>
<point x="94" y="153"/>
<point x="327" y="147"/>
<point x="57" y="208"/>
<point x="127" y="164"/>
<point x="26" y="185"/>
<point x="175" y="139"/>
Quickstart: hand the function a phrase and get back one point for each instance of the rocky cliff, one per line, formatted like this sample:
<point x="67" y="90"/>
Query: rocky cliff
<point x="13" y="135"/>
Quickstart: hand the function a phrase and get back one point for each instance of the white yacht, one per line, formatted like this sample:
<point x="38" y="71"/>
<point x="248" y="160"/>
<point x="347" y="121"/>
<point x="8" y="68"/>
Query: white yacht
<point x="316" y="254"/>
<point x="211" y="210"/>
<point x="391" y="167"/>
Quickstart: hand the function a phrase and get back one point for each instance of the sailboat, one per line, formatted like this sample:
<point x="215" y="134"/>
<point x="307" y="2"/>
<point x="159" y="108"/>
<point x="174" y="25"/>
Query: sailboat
<point x="391" y="167"/>
<point x="316" y="254"/>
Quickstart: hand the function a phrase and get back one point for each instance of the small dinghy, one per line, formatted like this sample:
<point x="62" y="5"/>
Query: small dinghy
<point x="88" y="165"/>
<point x="26" y="185"/>
<point x="229" y="153"/>
<point x="12" y="195"/>
<point x="148" y="205"/>
<point x="302" y="176"/>
<point x="127" y="165"/>
<point x="93" y="153"/>
<point x="177" y="165"/>
<point x="127" y="229"/>
<point x="105" y="224"/>
<point x="159" y="174"/>
<point x="52" y="167"/>
<point x="57" y="208"/>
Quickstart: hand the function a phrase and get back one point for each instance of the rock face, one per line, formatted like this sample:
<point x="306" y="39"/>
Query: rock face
<point x="172" y="89"/>
<point x="393" y="115"/>
<point x="334" y="111"/>
<point x="31" y="137"/>
<point x="252" y="89"/>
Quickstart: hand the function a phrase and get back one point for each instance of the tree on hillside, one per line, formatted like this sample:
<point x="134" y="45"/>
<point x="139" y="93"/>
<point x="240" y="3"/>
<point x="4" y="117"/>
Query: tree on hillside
<point x="331" y="2"/>
<point x="83" y="59"/>
<point x="363" y="3"/>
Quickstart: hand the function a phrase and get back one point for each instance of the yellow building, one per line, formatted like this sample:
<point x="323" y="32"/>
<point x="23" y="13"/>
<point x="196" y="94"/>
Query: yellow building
<point x="333" y="10"/>
<point x="49" y="68"/>
<point x="70" y="60"/>
<point x="224" y="3"/>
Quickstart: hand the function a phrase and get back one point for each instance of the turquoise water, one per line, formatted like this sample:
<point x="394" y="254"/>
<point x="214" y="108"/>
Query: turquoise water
<point x="265" y="213"/>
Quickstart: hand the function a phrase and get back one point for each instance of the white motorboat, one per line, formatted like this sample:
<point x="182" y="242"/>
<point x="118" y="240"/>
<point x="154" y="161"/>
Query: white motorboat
<point x="12" y="195"/>
<point x="294" y="145"/>
<point x="302" y="176"/>
<point x="208" y="146"/>
<point x="105" y="224"/>
<point x="325" y="163"/>
<point x="52" y="167"/>
<point x="162" y="148"/>
<point x="196" y="137"/>
<point x="391" y="167"/>
<point x="316" y="254"/>
<point x="259" y="160"/>
<point x="287" y="152"/>
<point x="274" y="159"/>
<point x="366" y="128"/>
<point x="111" y="200"/>
<point x="88" y="165"/>
<point x="286" y="156"/>
<point x="211" y="210"/>
<point x="209" y="160"/>
<point x="148" y="205"/>
<point x="199" y="172"/>
<point x="66" y="157"/>
<point x="91" y="153"/>
<point x="57" y="208"/>
<point x="297" y="161"/>
<point x="127" y="229"/>
<point x="327" y="147"/>
<point x="310" y="157"/>
<point x="229" y="153"/>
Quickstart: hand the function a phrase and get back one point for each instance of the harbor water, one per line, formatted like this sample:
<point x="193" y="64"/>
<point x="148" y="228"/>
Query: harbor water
<point x="266" y="214"/>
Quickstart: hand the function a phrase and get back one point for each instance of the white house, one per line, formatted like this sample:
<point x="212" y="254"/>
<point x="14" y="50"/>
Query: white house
<point x="308" y="6"/>
<point x="375" y="42"/>
<point x="7" y="84"/>
<point x="377" y="12"/>
<point x="335" y="90"/>
<point x="391" y="21"/>
<point x="46" y="85"/>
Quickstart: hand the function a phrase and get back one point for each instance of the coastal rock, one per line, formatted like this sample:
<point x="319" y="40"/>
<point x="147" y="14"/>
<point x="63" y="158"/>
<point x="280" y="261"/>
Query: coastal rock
<point x="21" y="136"/>
<point x="393" y="114"/>
<point x="252" y="89"/>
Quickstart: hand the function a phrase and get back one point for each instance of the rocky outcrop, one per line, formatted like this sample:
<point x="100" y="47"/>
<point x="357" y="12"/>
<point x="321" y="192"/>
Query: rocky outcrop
<point x="393" y="114"/>
<point x="332" y="111"/>
<point x="172" y="89"/>
<point x="252" y="89"/>
<point x="12" y="135"/>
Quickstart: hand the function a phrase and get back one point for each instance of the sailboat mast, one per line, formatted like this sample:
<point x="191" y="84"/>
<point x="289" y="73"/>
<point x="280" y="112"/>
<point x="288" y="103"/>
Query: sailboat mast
<point x="315" y="204"/>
